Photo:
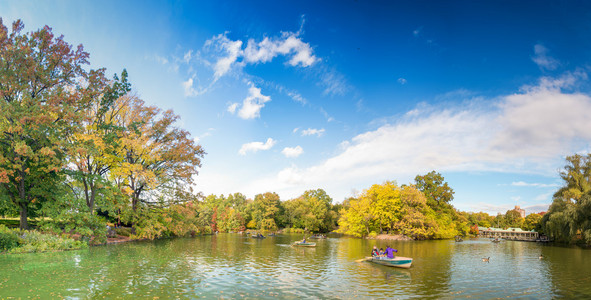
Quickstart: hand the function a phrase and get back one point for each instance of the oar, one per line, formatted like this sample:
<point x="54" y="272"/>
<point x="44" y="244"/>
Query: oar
<point x="363" y="259"/>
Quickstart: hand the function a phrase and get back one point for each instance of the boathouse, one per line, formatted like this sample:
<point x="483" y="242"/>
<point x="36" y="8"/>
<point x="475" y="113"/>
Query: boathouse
<point x="509" y="233"/>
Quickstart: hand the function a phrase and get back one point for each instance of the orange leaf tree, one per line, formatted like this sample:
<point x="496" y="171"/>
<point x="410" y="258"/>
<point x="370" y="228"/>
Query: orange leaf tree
<point x="43" y="89"/>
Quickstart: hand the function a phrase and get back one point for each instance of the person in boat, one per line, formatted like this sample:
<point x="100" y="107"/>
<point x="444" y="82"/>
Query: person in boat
<point x="375" y="252"/>
<point x="390" y="252"/>
<point x="382" y="252"/>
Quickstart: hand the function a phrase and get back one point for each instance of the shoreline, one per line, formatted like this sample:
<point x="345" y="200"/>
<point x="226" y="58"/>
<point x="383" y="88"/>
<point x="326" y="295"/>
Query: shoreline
<point x="390" y="237"/>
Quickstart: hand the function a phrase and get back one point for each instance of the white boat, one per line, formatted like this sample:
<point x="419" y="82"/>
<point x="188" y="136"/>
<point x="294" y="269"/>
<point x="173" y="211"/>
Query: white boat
<point x="397" y="261"/>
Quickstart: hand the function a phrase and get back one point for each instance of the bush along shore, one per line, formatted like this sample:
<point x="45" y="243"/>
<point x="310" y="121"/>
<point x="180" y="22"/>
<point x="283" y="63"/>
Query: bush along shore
<point x="23" y="241"/>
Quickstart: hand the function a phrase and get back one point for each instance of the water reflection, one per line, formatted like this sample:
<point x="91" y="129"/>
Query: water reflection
<point x="236" y="266"/>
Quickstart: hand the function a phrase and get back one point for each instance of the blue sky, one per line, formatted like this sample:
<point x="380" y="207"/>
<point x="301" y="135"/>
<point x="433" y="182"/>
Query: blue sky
<point x="287" y="96"/>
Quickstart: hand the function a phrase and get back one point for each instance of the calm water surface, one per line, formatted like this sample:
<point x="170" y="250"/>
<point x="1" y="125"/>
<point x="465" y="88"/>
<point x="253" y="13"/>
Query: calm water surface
<point x="235" y="266"/>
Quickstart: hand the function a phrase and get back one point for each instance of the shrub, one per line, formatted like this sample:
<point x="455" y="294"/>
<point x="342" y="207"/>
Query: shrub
<point x="123" y="231"/>
<point x="34" y="241"/>
<point x="8" y="239"/>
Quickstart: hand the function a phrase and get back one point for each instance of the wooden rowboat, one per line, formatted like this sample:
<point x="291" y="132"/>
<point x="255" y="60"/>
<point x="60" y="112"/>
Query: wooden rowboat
<point x="302" y="244"/>
<point x="398" y="261"/>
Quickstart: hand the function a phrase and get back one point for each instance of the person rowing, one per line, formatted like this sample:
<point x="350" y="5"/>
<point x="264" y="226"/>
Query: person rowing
<point x="390" y="252"/>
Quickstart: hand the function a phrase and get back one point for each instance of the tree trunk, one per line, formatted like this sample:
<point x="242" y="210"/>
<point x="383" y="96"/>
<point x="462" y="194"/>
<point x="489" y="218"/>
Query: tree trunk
<point x="24" y="225"/>
<point x="23" y="203"/>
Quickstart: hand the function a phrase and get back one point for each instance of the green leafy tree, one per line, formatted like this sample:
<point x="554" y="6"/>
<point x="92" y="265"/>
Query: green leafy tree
<point x="569" y="217"/>
<point x="94" y="143"/>
<point x="513" y="219"/>
<point x="43" y="89"/>
<point x="436" y="190"/>
<point x="266" y="208"/>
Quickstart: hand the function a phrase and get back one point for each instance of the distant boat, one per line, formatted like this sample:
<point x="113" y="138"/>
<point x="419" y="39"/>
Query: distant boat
<point x="257" y="236"/>
<point x="398" y="261"/>
<point x="459" y="238"/>
<point x="317" y="236"/>
<point x="496" y="240"/>
<point x="304" y="244"/>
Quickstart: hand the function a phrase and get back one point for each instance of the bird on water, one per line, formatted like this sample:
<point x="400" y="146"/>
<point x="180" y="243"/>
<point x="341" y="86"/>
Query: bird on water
<point x="487" y="259"/>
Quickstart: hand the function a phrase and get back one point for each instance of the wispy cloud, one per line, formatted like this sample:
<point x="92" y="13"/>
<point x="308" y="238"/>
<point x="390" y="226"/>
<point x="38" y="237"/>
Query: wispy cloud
<point x="251" y="105"/>
<point x="256" y="146"/>
<point x="229" y="52"/>
<point x="188" y="88"/>
<point x="333" y="82"/>
<point x="209" y="132"/>
<point x="402" y="81"/>
<point x="292" y="152"/>
<point x="542" y="59"/>
<point x="540" y="185"/>
<point x="313" y="131"/>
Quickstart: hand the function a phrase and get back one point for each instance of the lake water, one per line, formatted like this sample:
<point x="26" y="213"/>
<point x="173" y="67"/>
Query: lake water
<point x="235" y="266"/>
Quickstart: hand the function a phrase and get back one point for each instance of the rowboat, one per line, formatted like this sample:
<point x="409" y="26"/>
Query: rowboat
<point x="302" y="244"/>
<point x="398" y="261"/>
<point x="257" y="236"/>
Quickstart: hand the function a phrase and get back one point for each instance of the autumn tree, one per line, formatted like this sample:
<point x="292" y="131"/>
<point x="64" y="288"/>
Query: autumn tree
<point x="43" y="89"/>
<point x="156" y="156"/>
<point x="531" y="222"/>
<point x="266" y="209"/>
<point x="94" y="143"/>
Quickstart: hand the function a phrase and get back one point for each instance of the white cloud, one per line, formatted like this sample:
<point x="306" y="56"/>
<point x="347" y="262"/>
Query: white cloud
<point x="288" y="44"/>
<point x="402" y="81"/>
<point x="256" y="146"/>
<point x="542" y="59"/>
<point x="229" y="50"/>
<point x="189" y="89"/>
<point x="252" y="104"/>
<point x="528" y="132"/>
<point x="228" y="53"/>
<point x="540" y="185"/>
<point x="292" y="152"/>
<point x="296" y="129"/>
<point x="313" y="131"/>
<point x="187" y="57"/>
<point x="232" y="107"/>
